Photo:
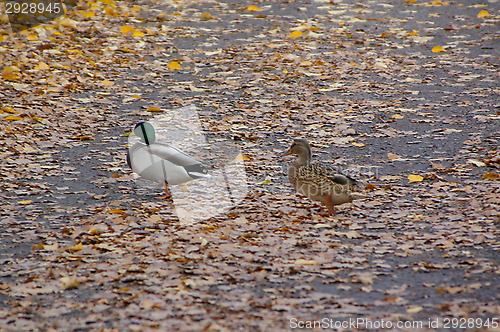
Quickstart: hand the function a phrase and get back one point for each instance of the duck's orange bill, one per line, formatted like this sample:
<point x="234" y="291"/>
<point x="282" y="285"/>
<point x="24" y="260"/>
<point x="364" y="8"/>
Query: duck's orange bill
<point x="288" y="153"/>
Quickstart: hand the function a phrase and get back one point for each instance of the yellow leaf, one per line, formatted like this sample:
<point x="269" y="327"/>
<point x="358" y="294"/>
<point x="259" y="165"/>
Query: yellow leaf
<point x="384" y="35"/>
<point x="491" y="176"/>
<point x="42" y="66"/>
<point x="138" y="34"/>
<point x="265" y="182"/>
<point x="110" y="12"/>
<point x="306" y="262"/>
<point x="69" y="283"/>
<point x="26" y="202"/>
<point x="174" y="65"/>
<point x="107" y="83"/>
<point x="94" y="231"/>
<point x="32" y="37"/>
<point x="253" y="8"/>
<point x="414" y="309"/>
<point x="126" y="29"/>
<point x="242" y="157"/>
<point x="89" y="14"/>
<point x="437" y="49"/>
<point x="414" y="33"/>
<point x="38" y="246"/>
<point x="11" y="76"/>
<point x="9" y="109"/>
<point x="483" y="13"/>
<point x="13" y="118"/>
<point x="116" y="211"/>
<point x="414" y="178"/>
<point x="154" y="109"/>
<point x="11" y="73"/>
<point x="78" y="247"/>
<point x="68" y="23"/>
<point x="397" y="116"/>
<point x="295" y="34"/>
<point x="206" y="16"/>
<point x="108" y="2"/>
<point x="285" y="71"/>
<point x="358" y="144"/>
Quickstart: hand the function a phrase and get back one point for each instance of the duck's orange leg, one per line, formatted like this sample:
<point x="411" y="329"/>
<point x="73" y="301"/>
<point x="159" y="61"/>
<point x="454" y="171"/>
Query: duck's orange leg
<point x="167" y="193"/>
<point x="329" y="205"/>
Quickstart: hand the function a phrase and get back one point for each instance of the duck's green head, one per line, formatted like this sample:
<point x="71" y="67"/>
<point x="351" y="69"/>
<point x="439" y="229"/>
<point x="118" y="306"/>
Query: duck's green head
<point x="145" y="131"/>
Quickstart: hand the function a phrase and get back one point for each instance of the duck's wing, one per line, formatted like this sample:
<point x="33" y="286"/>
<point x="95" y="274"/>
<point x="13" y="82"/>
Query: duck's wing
<point x="332" y="173"/>
<point x="175" y="156"/>
<point x="171" y="154"/>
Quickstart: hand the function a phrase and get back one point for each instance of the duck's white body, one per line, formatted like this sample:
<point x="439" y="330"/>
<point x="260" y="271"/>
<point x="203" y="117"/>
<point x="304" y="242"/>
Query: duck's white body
<point x="161" y="162"/>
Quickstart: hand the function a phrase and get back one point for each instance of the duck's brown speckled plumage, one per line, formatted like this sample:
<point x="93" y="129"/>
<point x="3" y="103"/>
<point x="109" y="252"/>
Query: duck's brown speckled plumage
<point x="319" y="181"/>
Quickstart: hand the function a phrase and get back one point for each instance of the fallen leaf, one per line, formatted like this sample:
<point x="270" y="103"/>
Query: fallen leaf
<point x="154" y="109"/>
<point x="491" y="176"/>
<point x="476" y="162"/>
<point x="126" y="29"/>
<point x="174" y="65"/>
<point x="78" y="247"/>
<point x="483" y="13"/>
<point x="12" y="118"/>
<point x="414" y="309"/>
<point x="253" y="8"/>
<point x="26" y="202"/>
<point x="393" y="156"/>
<point x="137" y="33"/>
<point x="358" y="144"/>
<point x="9" y="109"/>
<point x="305" y="262"/>
<point x="116" y="211"/>
<point x="415" y="178"/>
<point x="69" y="283"/>
<point x="242" y="157"/>
<point x="206" y="16"/>
<point x="295" y="34"/>
<point x="11" y="73"/>
<point x="42" y="66"/>
<point x="107" y="83"/>
<point x="437" y="49"/>
<point x="68" y="23"/>
<point x="370" y="186"/>
<point x="265" y="182"/>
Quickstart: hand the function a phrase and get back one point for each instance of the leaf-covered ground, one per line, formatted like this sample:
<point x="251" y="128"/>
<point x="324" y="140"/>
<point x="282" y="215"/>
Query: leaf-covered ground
<point x="401" y="91"/>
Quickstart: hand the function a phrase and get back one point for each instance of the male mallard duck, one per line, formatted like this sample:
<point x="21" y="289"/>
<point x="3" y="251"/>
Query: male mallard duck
<point x="161" y="162"/>
<point x="319" y="181"/>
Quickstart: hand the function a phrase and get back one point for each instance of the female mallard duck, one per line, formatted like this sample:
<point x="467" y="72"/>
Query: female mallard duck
<point x="319" y="181"/>
<point x="161" y="162"/>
